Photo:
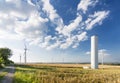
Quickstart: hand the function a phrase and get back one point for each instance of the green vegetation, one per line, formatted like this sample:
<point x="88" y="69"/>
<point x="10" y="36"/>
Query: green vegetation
<point x="2" y="74"/>
<point x="5" y="54"/>
<point x="1" y="62"/>
<point x="58" y="74"/>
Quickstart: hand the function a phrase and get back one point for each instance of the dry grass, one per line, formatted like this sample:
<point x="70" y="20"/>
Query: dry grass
<point x="66" y="73"/>
<point x="60" y="65"/>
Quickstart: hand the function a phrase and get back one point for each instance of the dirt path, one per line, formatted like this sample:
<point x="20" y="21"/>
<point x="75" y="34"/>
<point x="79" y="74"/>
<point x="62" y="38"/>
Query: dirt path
<point x="9" y="77"/>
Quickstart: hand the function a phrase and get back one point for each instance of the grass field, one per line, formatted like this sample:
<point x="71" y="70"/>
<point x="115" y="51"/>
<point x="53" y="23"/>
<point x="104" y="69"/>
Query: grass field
<point x="65" y="73"/>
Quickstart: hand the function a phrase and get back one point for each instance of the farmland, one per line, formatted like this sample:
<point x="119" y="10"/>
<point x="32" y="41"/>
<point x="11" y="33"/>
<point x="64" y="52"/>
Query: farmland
<point x="65" y="73"/>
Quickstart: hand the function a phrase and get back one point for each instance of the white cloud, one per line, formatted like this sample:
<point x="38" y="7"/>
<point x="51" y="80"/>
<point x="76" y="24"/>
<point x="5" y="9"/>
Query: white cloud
<point x="52" y="46"/>
<point x="84" y="4"/>
<point x="67" y="43"/>
<point x="74" y="40"/>
<point x="51" y="13"/>
<point x="23" y="19"/>
<point x="72" y="26"/>
<point x="4" y="35"/>
<point x="75" y="45"/>
<point x="88" y="53"/>
<point x="96" y="18"/>
<point x="49" y="9"/>
<point x="33" y="27"/>
<point x="29" y="1"/>
<point x="82" y="36"/>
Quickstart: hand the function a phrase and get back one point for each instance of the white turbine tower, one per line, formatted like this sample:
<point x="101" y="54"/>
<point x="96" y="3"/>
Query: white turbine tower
<point x="102" y="58"/>
<point x="25" y="53"/>
<point x="20" y="58"/>
<point x="94" y="52"/>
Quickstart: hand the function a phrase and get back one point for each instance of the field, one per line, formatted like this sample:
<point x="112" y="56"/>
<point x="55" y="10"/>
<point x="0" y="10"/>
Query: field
<point x="65" y="73"/>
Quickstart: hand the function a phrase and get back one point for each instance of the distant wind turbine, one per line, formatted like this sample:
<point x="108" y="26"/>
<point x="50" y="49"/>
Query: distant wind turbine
<point x="102" y="58"/>
<point x="20" y="58"/>
<point x="25" y="52"/>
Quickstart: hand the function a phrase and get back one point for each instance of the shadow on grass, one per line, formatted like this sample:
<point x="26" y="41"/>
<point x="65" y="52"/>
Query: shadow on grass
<point x="45" y="68"/>
<point x="33" y="69"/>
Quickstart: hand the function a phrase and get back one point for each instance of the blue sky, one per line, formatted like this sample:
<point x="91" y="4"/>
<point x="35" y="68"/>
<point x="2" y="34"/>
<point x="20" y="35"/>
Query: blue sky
<point x="60" y="30"/>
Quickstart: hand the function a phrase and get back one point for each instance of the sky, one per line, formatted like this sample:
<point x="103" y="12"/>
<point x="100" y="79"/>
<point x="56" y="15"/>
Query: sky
<point x="60" y="30"/>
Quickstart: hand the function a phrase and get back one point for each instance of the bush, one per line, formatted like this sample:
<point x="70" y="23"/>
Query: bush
<point x="9" y="62"/>
<point x="1" y="62"/>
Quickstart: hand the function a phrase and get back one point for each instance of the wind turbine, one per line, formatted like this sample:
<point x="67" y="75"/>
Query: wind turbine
<point x="102" y="58"/>
<point x="25" y="52"/>
<point x="20" y="58"/>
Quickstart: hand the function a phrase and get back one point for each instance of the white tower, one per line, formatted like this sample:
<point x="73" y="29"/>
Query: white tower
<point x="94" y="52"/>
<point x="25" y="53"/>
<point x="20" y="58"/>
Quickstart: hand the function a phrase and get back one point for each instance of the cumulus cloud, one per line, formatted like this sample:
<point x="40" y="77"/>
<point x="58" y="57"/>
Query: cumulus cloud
<point x="40" y="24"/>
<point x="21" y="18"/>
<point x="97" y="17"/>
<point x="67" y="29"/>
<point x="84" y="4"/>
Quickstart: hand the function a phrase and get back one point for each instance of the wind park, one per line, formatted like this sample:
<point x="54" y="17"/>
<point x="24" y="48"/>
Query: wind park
<point x="62" y="72"/>
<point x="94" y="53"/>
<point x="59" y="41"/>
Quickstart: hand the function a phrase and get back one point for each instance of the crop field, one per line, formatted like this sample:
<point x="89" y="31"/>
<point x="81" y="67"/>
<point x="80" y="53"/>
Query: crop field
<point x="66" y="73"/>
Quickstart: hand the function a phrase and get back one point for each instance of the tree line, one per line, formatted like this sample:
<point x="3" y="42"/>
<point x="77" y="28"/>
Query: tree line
<point x="5" y="54"/>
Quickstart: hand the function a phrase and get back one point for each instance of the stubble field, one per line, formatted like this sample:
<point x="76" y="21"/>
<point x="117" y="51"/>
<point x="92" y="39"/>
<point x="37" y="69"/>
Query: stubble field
<point x="66" y="73"/>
